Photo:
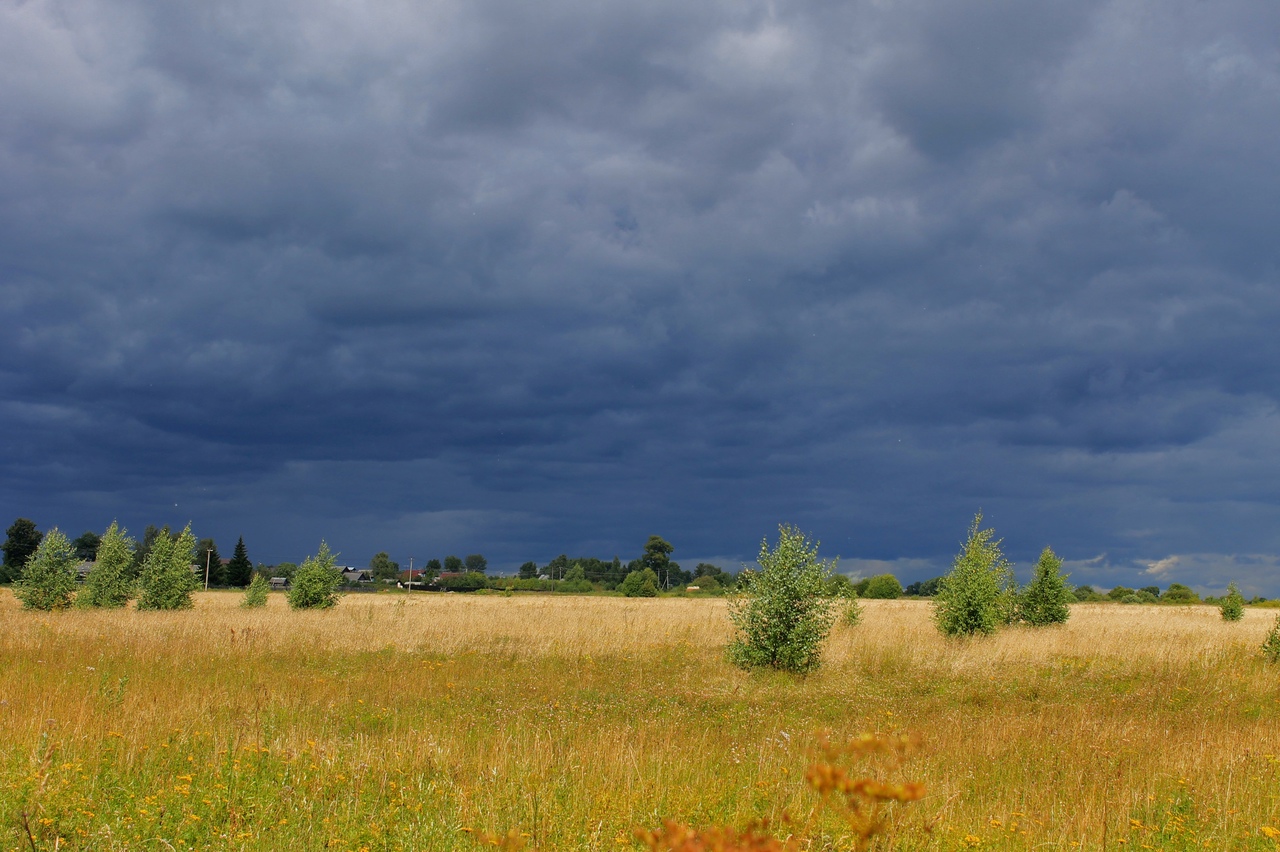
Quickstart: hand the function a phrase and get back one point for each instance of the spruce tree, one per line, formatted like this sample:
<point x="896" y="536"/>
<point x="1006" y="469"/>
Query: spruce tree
<point x="1045" y="599"/>
<point x="110" y="581"/>
<point x="48" y="578"/>
<point x="239" y="569"/>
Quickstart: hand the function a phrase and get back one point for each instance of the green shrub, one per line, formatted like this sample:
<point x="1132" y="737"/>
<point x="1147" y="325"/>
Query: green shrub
<point x="852" y="614"/>
<point x="883" y="587"/>
<point x="640" y="584"/>
<point x="110" y="581"/>
<point x="707" y="583"/>
<point x="521" y="584"/>
<point x="784" y="614"/>
<point x="315" y="583"/>
<point x="575" y="581"/>
<point x="1232" y="606"/>
<point x="1119" y="593"/>
<point x="978" y="595"/>
<point x="1046" y="598"/>
<point x="167" y="580"/>
<point x="256" y="595"/>
<point x="1178" y="593"/>
<point x="1146" y="597"/>
<point x="840" y="586"/>
<point x="48" y="578"/>
<point x="1271" y="645"/>
<point x="471" y="581"/>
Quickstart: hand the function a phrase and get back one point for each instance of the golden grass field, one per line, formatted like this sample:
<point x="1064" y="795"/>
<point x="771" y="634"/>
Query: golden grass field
<point x="421" y="722"/>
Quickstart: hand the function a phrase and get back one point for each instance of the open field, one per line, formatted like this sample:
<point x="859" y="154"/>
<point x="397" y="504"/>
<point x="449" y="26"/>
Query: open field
<point x="399" y="722"/>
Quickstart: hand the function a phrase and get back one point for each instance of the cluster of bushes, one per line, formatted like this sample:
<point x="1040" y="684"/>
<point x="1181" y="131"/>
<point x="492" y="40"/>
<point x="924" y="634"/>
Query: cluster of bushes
<point x="981" y="595"/>
<point x="49" y="578"/>
<point x="1175" y="594"/>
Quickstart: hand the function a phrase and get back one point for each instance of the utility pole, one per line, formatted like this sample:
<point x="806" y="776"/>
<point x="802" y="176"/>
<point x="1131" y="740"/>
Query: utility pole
<point x="411" y="573"/>
<point x="207" y="553"/>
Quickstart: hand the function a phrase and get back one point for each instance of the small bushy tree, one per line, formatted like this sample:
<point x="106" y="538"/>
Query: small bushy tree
<point x="1232" y="606"/>
<point x="1046" y="598"/>
<point x="22" y="539"/>
<point x="575" y="580"/>
<point x="255" y="596"/>
<point x="852" y="614"/>
<point x="640" y="584"/>
<point x="784" y="613"/>
<point x="1271" y="645"/>
<point x="471" y="581"/>
<point x="978" y="595"/>
<point x="167" y="578"/>
<point x="110" y="581"/>
<point x="1178" y="593"/>
<point x="315" y="583"/>
<point x="383" y="568"/>
<point x="48" y="579"/>
<point x="840" y="587"/>
<point x="883" y="587"/>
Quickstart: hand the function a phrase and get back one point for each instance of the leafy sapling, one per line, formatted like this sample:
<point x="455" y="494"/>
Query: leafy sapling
<point x="255" y="596"/>
<point x="48" y="578"/>
<point x="785" y="613"/>
<point x="1046" y="598"/>
<point x="1232" y="606"/>
<point x="978" y="595"/>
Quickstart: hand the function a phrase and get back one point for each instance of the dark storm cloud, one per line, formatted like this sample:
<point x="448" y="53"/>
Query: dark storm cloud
<point x="489" y="276"/>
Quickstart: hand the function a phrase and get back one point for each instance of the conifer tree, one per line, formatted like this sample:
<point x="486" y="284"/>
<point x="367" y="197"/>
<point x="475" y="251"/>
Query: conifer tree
<point x="239" y="569"/>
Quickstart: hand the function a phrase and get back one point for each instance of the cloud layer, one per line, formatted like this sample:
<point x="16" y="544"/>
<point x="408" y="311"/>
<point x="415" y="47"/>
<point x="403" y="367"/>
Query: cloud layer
<point x="523" y="280"/>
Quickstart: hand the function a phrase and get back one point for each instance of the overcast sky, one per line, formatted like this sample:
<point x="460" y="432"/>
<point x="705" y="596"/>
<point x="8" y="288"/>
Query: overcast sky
<point x="530" y="278"/>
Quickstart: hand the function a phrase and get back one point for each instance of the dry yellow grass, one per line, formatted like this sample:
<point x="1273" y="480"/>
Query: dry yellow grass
<point x="407" y="721"/>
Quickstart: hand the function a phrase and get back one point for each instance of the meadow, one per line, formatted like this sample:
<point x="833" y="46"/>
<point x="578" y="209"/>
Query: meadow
<point x="426" y="721"/>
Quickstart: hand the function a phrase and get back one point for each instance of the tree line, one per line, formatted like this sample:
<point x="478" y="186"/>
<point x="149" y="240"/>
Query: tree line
<point x="23" y="538"/>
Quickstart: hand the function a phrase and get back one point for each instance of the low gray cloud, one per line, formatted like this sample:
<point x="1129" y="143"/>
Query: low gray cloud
<point x="479" y="277"/>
